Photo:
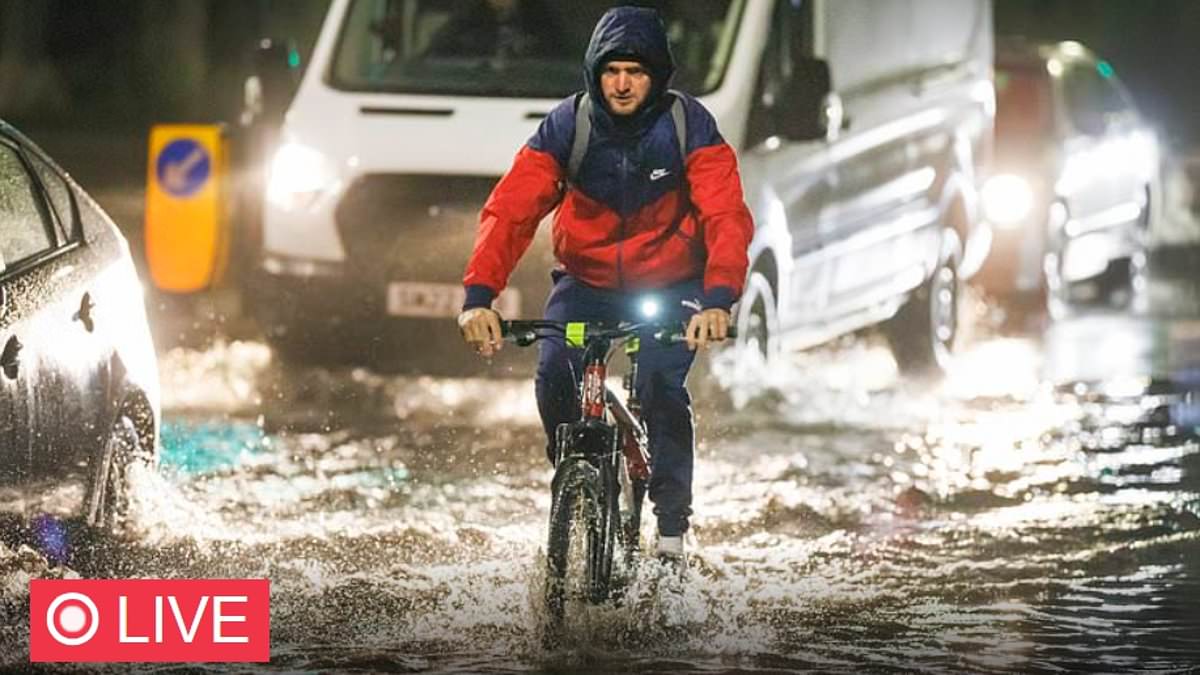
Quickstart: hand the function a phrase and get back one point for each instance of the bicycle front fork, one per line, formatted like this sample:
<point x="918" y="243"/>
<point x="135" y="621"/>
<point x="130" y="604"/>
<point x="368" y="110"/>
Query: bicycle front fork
<point x="594" y="439"/>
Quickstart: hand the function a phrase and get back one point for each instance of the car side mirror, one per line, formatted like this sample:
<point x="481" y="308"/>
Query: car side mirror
<point x="811" y="110"/>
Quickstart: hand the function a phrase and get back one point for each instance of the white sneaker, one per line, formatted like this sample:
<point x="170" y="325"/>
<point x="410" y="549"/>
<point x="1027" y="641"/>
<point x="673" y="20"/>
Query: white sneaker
<point x="672" y="555"/>
<point x="670" y="547"/>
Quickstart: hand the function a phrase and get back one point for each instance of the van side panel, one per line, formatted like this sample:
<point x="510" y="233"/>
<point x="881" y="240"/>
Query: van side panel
<point x="865" y="41"/>
<point x="915" y="130"/>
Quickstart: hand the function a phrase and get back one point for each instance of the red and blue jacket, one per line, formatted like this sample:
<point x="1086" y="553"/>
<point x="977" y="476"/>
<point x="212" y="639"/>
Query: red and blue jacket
<point x="638" y="215"/>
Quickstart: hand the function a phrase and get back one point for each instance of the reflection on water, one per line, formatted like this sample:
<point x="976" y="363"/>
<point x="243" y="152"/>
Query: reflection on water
<point x="1038" y="510"/>
<point x="204" y="446"/>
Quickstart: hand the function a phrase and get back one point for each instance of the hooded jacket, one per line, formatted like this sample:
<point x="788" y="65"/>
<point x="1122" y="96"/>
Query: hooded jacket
<point x="637" y="215"/>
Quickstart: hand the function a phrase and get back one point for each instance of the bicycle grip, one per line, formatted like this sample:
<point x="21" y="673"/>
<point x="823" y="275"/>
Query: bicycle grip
<point x="521" y="338"/>
<point x="679" y="335"/>
<point x="510" y="331"/>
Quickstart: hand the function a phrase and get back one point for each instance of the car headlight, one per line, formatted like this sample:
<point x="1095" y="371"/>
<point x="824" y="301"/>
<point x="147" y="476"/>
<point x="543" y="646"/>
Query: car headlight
<point x="298" y="176"/>
<point x="1007" y="200"/>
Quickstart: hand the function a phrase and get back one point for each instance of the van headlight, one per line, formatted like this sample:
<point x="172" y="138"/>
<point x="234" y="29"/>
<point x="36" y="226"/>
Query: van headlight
<point x="299" y="174"/>
<point x="1007" y="200"/>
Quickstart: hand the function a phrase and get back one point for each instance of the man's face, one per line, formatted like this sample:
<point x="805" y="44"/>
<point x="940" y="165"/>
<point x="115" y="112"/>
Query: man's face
<point x="625" y="86"/>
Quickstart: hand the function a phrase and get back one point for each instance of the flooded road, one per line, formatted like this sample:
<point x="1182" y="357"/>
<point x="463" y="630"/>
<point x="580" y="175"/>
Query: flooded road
<point x="1038" y="510"/>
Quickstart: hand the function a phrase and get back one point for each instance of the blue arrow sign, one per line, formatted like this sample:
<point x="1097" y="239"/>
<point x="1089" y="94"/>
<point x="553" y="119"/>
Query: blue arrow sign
<point x="183" y="166"/>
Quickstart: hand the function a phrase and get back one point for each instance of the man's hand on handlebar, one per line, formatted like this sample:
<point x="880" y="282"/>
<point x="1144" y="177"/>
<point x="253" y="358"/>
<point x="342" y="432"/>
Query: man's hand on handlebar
<point x="710" y="325"/>
<point x="480" y="328"/>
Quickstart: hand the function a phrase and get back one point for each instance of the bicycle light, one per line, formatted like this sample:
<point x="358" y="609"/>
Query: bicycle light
<point x="649" y="308"/>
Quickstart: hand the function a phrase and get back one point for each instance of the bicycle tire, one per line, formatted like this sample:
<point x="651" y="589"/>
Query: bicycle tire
<point x="579" y="495"/>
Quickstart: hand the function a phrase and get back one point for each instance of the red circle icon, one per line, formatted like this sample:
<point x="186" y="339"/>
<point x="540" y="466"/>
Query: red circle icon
<point x="72" y="619"/>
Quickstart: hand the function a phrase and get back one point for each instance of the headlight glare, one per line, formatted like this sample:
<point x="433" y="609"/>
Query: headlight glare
<point x="1007" y="200"/>
<point x="298" y="175"/>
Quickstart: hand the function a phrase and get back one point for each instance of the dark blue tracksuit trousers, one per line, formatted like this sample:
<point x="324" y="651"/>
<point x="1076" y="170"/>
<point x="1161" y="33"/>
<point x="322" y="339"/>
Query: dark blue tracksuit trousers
<point x="662" y="372"/>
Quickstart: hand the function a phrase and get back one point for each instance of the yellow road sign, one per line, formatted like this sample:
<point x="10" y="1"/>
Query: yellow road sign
<point x="187" y="237"/>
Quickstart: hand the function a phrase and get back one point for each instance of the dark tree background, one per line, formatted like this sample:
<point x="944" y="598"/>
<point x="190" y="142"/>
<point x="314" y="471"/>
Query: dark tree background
<point x="130" y="63"/>
<point x="125" y="64"/>
<point x="1154" y="45"/>
<point x="87" y="78"/>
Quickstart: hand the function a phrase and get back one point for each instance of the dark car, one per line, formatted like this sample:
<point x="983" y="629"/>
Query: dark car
<point x="78" y="377"/>
<point x="1072" y="189"/>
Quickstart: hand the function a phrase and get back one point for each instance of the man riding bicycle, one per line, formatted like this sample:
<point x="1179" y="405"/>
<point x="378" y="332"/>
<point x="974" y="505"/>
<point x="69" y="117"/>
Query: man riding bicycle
<point x="649" y="203"/>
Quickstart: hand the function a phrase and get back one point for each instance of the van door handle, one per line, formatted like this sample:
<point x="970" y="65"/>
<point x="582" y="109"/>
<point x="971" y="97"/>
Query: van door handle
<point x="84" y="315"/>
<point x="10" y="360"/>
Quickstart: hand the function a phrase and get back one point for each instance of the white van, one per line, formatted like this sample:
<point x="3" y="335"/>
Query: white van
<point x="861" y="128"/>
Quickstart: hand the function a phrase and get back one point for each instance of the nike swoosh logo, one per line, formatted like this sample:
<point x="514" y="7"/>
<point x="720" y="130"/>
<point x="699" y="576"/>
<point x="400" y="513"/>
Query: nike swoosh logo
<point x="659" y="173"/>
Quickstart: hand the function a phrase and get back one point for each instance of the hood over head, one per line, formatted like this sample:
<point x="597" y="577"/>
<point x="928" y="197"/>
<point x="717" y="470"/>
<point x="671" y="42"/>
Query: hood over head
<point x="630" y="34"/>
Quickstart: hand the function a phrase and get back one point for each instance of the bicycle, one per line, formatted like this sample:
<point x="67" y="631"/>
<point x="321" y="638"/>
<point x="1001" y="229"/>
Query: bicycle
<point x="601" y="461"/>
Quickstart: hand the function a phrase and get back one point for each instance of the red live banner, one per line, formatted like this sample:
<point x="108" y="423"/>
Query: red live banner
<point x="149" y="620"/>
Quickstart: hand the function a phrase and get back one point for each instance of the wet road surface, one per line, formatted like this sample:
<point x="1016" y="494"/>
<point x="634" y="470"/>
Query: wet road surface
<point x="1038" y="510"/>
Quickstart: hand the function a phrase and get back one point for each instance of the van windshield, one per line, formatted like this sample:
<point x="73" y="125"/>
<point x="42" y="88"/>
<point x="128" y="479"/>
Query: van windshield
<point x="511" y="48"/>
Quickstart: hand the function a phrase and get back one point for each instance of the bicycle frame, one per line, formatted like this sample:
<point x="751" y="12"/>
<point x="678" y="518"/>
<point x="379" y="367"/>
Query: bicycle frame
<point x="593" y="434"/>
<point x="599" y="404"/>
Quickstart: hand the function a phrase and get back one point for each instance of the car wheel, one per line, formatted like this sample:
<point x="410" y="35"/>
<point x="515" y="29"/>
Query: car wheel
<point x="923" y="333"/>
<point x="1055" y="289"/>
<point x="1123" y="285"/>
<point x="1128" y="279"/>
<point x="109" y="500"/>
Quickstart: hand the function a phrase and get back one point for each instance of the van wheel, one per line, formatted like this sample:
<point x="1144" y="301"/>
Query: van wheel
<point x="109" y="494"/>
<point x="923" y="333"/>
<point x="757" y="344"/>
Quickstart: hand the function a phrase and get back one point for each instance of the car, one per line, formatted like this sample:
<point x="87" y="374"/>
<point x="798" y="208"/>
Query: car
<point x="1074" y="184"/>
<point x="861" y="147"/>
<point x="79" y="388"/>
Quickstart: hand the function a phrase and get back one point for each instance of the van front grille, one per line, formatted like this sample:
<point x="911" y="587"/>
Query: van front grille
<point x="404" y="226"/>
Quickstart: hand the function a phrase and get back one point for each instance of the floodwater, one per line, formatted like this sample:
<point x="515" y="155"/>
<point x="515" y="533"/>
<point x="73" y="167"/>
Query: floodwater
<point x="1038" y="510"/>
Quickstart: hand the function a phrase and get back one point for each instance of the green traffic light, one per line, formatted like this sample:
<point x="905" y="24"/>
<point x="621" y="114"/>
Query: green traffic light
<point x="1105" y="70"/>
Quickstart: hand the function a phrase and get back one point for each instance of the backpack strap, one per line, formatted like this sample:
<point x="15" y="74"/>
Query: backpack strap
<point x="583" y="131"/>
<point x="679" y="116"/>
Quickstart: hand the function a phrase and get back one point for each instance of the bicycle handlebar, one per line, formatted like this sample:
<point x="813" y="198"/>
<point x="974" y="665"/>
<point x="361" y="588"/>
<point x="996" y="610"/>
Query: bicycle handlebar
<point x="525" y="333"/>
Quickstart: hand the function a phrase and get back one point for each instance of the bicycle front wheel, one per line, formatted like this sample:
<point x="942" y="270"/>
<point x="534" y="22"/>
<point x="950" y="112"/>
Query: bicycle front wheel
<point x="582" y="538"/>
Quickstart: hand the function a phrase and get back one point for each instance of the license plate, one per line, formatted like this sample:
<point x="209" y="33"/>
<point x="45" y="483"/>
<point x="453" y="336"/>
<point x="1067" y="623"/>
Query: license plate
<point x="431" y="300"/>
